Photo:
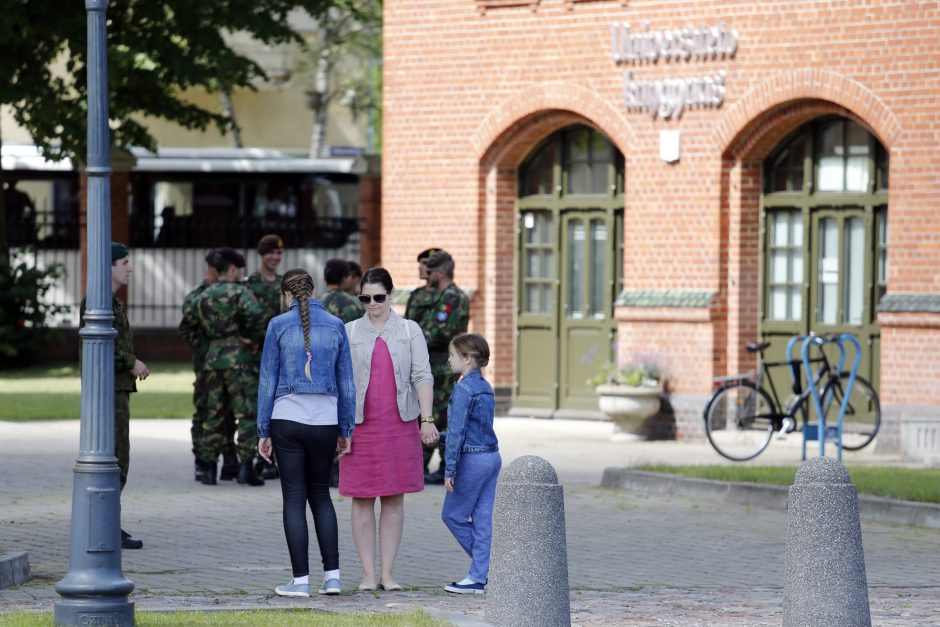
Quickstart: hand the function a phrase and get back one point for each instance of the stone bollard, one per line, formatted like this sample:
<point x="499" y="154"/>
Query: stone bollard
<point x="825" y="566"/>
<point x="528" y="582"/>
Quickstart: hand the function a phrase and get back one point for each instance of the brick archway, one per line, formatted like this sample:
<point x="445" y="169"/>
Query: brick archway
<point x="500" y="143"/>
<point x="744" y="119"/>
<point x="507" y="125"/>
<point x="745" y="134"/>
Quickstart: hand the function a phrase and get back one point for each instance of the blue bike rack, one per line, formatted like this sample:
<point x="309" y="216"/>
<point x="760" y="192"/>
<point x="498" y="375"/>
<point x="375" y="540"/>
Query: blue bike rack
<point x="821" y="431"/>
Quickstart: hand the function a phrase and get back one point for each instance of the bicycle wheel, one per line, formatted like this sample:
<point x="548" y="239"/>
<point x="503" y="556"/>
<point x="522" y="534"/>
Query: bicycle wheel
<point x="738" y="421"/>
<point x="862" y="414"/>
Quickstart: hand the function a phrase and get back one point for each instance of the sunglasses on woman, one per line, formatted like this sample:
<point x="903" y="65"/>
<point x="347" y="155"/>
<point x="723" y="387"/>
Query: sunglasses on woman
<point x="365" y="299"/>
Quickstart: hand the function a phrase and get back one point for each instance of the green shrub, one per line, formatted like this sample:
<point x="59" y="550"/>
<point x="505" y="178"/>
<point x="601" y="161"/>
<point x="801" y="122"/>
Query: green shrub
<point x="23" y="314"/>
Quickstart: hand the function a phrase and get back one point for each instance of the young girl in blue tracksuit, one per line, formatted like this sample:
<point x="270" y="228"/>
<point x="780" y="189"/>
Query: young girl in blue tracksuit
<point x="471" y="460"/>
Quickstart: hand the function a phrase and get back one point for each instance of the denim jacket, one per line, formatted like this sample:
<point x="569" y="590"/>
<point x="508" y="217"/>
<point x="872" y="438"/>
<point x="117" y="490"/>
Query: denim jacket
<point x="409" y="353"/>
<point x="469" y="420"/>
<point x="284" y="357"/>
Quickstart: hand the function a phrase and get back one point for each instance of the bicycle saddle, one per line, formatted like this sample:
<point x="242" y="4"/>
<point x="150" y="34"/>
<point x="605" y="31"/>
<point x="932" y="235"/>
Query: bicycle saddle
<point x="753" y="347"/>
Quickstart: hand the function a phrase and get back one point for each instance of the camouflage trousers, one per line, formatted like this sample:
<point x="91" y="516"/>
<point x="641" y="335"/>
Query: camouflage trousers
<point x="122" y="434"/>
<point x="230" y="392"/>
<point x="201" y="406"/>
<point x="443" y="386"/>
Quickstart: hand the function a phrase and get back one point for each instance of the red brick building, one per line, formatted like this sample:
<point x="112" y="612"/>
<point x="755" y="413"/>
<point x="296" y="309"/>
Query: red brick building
<point x="682" y="176"/>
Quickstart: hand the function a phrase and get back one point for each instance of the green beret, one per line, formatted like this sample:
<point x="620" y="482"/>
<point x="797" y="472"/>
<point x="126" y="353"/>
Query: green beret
<point x="118" y="251"/>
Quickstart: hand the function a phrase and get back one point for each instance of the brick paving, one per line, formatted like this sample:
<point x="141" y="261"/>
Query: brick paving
<point x="633" y="560"/>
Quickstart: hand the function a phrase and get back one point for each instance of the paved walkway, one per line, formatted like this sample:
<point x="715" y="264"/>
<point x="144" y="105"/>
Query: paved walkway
<point x="632" y="560"/>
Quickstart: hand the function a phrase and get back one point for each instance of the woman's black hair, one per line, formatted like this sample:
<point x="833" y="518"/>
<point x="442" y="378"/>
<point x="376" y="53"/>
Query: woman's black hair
<point x="379" y="276"/>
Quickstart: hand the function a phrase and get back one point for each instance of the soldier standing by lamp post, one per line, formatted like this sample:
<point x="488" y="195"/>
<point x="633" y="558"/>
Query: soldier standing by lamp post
<point x="94" y="590"/>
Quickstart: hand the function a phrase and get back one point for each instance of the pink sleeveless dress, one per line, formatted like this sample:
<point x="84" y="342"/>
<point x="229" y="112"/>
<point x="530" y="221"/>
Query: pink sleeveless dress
<point x="386" y="457"/>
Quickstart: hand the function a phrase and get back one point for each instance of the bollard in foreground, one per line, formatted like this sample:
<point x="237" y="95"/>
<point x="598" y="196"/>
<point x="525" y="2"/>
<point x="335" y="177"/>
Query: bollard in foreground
<point x="528" y="582"/>
<point x="825" y="565"/>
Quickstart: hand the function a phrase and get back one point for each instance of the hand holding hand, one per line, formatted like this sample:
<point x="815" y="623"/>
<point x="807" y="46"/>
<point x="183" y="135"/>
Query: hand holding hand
<point x="140" y="370"/>
<point x="449" y="483"/>
<point x="429" y="434"/>
<point x="343" y="446"/>
<point x="265" y="448"/>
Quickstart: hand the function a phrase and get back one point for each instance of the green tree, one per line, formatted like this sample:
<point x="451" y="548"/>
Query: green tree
<point x="157" y="49"/>
<point x="345" y="53"/>
<point x="23" y="312"/>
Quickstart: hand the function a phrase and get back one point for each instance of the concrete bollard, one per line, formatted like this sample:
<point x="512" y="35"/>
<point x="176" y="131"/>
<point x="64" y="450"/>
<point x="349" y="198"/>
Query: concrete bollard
<point x="825" y="564"/>
<point x="528" y="582"/>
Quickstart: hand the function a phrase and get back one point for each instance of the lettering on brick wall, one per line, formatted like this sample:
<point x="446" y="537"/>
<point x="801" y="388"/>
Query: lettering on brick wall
<point x="669" y="97"/>
<point x="705" y="43"/>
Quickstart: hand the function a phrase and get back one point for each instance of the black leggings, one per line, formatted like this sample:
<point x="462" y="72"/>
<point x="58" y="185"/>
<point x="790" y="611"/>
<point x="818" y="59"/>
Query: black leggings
<point x="304" y="459"/>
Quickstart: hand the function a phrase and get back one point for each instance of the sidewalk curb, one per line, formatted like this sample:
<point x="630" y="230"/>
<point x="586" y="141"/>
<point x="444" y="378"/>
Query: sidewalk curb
<point x="14" y="569"/>
<point x="873" y="508"/>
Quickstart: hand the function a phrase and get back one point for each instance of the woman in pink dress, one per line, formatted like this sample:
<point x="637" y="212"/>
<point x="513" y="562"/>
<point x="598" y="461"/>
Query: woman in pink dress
<point x="394" y="387"/>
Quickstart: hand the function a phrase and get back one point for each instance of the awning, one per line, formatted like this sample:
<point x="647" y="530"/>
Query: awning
<point x="28" y="157"/>
<point x="223" y="160"/>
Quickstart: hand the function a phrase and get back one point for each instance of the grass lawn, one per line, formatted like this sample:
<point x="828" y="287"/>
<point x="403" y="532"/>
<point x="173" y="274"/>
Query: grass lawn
<point x="273" y="618"/>
<point x="908" y="484"/>
<point x="54" y="393"/>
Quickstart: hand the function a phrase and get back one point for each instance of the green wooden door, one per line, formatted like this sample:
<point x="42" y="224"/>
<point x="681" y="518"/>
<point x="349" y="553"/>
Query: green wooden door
<point x="537" y="316"/>
<point x="586" y="325"/>
<point x="569" y="252"/>
<point x="842" y="278"/>
<point x="824" y="254"/>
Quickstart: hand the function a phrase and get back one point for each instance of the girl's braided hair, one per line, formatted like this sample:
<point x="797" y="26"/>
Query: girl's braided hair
<point x="298" y="283"/>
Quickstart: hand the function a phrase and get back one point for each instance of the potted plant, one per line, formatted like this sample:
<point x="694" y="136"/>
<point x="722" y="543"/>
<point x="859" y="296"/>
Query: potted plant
<point x="629" y="393"/>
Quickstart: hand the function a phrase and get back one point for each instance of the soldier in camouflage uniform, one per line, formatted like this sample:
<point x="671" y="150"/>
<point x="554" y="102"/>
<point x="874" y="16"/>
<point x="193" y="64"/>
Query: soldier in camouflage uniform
<point x="127" y="369"/>
<point x="351" y="283"/>
<point x="335" y="300"/>
<point x="422" y="298"/>
<point x="265" y="285"/>
<point x="230" y="319"/>
<point x="448" y="318"/>
<point x="191" y="331"/>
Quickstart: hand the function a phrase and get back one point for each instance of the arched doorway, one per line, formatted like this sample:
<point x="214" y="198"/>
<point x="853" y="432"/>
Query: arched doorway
<point x="824" y="248"/>
<point x="569" y="213"/>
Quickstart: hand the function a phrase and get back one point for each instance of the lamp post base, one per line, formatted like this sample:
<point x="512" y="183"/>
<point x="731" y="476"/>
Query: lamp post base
<point x="93" y="610"/>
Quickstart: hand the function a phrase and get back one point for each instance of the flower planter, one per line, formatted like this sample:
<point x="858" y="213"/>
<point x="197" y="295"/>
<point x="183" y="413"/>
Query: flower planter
<point x="627" y="406"/>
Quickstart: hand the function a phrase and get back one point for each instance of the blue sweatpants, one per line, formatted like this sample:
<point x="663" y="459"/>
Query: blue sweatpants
<point x="468" y="510"/>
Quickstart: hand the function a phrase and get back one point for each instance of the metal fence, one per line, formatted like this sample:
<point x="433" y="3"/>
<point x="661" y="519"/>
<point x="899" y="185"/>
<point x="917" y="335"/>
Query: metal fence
<point x="173" y="264"/>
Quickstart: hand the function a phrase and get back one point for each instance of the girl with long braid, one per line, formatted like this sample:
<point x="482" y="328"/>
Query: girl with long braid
<point x="306" y="414"/>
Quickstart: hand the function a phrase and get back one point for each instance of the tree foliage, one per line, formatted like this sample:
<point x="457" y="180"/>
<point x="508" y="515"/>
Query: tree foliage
<point x="157" y="49"/>
<point x="23" y="308"/>
<point x="344" y="54"/>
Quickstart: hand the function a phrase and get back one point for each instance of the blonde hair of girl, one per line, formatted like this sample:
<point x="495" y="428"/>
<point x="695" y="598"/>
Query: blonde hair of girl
<point x="298" y="283"/>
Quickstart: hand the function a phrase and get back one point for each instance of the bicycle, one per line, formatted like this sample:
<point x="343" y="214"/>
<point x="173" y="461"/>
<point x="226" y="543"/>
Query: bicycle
<point x="741" y="417"/>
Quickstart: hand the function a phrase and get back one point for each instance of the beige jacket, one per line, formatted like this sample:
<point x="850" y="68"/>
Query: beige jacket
<point x="409" y="352"/>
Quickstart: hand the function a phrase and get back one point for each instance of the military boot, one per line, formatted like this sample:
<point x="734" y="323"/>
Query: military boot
<point x="200" y="470"/>
<point x="247" y="475"/>
<point x="209" y="473"/>
<point x="229" y="466"/>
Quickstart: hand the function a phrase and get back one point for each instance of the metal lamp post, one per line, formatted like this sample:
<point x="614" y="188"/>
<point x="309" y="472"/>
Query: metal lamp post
<point x="94" y="591"/>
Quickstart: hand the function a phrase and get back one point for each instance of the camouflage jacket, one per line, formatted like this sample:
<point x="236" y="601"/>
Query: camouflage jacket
<point x="190" y="328"/>
<point x="449" y="317"/>
<point x="420" y="302"/>
<point x="227" y="314"/>
<point x="267" y="293"/>
<point x="342" y="305"/>
<point x="124" y="358"/>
